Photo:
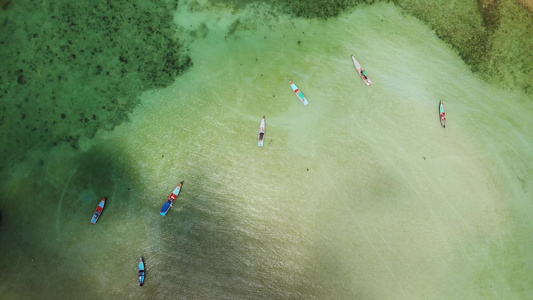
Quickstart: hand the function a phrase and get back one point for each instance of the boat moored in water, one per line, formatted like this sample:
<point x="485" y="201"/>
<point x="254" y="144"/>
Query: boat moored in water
<point x="299" y="93"/>
<point x="98" y="211"/>
<point x="361" y="71"/>
<point x="262" y="129"/>
<point x="171" y="199"/>
<point x="141" y="272"/>
<point x="442" y="114"/>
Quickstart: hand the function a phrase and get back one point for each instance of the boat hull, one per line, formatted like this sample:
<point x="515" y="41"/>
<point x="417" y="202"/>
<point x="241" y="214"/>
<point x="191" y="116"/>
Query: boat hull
<point x="262" y="130"/>
<point x="171" y="199"/>
<point x="442" y="114"/>
<point x="142" y="272"/>
<point x="98" y="211"/>
<point x="299" y="93"/>
<point x="166" y="208"/>
<point x="360" y="71"/>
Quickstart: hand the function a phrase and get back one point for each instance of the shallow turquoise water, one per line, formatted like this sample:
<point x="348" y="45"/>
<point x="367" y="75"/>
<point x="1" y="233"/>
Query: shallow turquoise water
<point x="359" y="195"/>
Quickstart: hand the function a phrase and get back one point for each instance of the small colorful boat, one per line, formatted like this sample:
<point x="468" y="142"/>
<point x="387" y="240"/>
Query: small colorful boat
<point x="442" y="114"/>
<point x="299" y="93"/>
<point x="98" y="211"/>
<point x="262" y="129"/>
<point x="171" y="199"/>
<point x="141" y="272"/>
<point x="361" y="72"/>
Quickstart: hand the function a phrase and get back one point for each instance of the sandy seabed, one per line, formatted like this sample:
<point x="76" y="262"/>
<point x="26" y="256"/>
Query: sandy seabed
<point x="359" y="195"/>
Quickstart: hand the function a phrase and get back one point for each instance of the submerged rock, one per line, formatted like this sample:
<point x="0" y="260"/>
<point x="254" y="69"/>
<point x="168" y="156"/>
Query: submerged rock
<point x="4" y="4"/>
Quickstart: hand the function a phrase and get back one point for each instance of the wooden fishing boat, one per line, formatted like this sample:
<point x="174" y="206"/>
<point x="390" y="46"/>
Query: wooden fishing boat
<point x="299" y="93"/>
<point x="442" y="114"/>
<point x="262" y="129"/>
<point x="98" y="211"/>
<point x="171" y="199"/>
<point x="361" y="72"/>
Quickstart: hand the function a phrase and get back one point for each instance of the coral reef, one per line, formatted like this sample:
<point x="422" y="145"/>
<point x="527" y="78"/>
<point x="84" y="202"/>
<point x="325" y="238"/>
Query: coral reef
<point x="322" y="9"/>
<point x="508" y="61"/>
<point x="459" y="24"/>
<point x="70" y="68"/>
<point x="492" y="36"/>
<point x="528" y="4"/>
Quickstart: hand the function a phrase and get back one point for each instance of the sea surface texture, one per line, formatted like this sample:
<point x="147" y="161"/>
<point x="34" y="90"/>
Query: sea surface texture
<point x="361" y="194"/>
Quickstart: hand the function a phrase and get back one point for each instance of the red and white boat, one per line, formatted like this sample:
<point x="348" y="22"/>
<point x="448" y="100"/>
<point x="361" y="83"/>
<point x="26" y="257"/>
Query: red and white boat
<point x="442" y="114"/>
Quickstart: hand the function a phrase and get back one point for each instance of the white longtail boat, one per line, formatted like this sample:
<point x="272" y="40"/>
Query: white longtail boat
<point x="361" y="72"/>
<point x="262" y="129"/>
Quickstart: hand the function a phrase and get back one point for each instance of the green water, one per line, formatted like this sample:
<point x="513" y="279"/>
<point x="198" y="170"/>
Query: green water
<point x="359" y="195"/>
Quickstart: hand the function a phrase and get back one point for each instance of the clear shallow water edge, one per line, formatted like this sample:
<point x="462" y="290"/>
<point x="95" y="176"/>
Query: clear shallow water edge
<point x="360" y="195"/>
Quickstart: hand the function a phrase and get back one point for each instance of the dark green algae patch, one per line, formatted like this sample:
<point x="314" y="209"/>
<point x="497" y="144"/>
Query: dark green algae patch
<point x="493" y="37"/>
<point x="70" y="68"/>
